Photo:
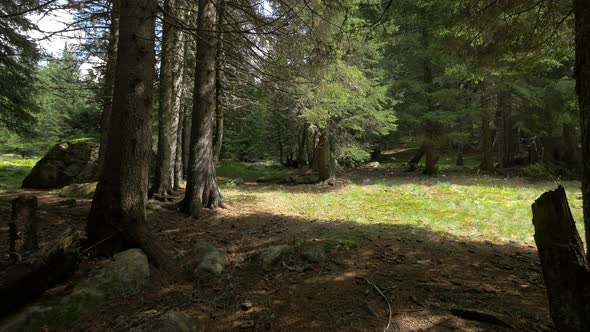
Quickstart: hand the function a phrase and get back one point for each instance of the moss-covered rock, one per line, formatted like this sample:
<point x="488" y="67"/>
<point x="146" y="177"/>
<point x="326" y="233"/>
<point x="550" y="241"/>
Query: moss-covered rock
<point x="64" y="164"/>
<point x="126" y="275"/>
<point x="79" y="190"/>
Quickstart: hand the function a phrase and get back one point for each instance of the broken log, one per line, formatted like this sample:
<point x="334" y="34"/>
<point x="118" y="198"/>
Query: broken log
<point x="23" y="227"/>
<point x="564" y="263"/>
<point x="27" y="280"/>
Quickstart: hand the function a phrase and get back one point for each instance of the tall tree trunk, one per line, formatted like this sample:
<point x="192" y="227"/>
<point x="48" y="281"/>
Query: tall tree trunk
<point x="301" y="150"/>
<point x="178" y="174"/>
<point x="117" y="219"/>
<point x="413" y="163"/>
<point x="486" y="144"/>
<point x="219" y="78"/>
<point x="170" y="78"/>
<point x="431" y="158"/>
<point x="109" y="83"/>
<point x="188" y="84"/>
<point x="582" y="74"/>
<point x="324" y="155"/>
<point x="311" y="145"/>
<point x="280" y="143"/>
<point x="505" y="129"/>
<point x="202" y="190"/>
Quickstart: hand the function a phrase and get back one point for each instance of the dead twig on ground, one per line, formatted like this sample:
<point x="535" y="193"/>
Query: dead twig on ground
<point x="386" y="300"/>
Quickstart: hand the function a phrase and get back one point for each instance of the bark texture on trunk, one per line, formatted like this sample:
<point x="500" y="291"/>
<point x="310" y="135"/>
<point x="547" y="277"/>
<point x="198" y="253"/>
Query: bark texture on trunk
<point x="219" y="81"/>
<point x="301" y="148"/>
<point x="431" y="158"/>
<point x="109" y="82"/>
<point x="169" y="94"/>
<point x="23" y="227"/>
<point x="413" y="163"/>
<point x="507" y="138"/>
<point x="582" y="74"/>
<point x="117" y="219"/>
<point x="564" y="263"/>
<point x="486" y="144"/>
<point x="324" y="155"/>
<point x="201" y="189"/>
<point x="178" y="174"/>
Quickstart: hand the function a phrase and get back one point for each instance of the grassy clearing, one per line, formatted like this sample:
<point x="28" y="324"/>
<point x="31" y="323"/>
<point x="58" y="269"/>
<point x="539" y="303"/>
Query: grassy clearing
<point x="478" y="208"/>
<point x="13" y="169"/>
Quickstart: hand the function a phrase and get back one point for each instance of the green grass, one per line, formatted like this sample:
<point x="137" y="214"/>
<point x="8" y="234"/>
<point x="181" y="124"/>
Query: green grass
<point x="467" y="206"/>
<point x="13" y="169"/>
<point x="251" y="171"/>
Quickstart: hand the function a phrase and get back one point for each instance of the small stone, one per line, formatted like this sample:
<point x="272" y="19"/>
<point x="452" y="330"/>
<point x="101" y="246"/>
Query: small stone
<point x="79" y="190"/>
<point x="154" y="207"/>
<point x="247" y="305"/>
<point x="208" y="259"/>
<point x="271" y="256"/>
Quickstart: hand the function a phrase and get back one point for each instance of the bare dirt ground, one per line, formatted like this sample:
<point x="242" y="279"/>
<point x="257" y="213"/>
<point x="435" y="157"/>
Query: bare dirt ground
<point x="432" y="282"/>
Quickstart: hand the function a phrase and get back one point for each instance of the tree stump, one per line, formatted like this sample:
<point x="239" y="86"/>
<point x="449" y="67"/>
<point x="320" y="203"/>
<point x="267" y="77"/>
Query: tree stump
<point x="23" y="227"/>
<point x="564" y="263"/>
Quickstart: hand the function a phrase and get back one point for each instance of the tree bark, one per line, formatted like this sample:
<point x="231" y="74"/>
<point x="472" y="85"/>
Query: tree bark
<point x="310" y="146"/>
<point x="324" y="155"/>
<point x="117" y="219"/>
<point x="178" y="174"/>
<point x="202" y="190"/>
<point x="582" y="74"/>
<point x="486" y="144"/>
<point x="565" y="266"/>
<point x="219" y="80"/>
<point x="109" y="83"/>
<point x="302" y="150"/>
<point x="506" y="130"/>
<point x="188" y="84"/>
<point x="23" y="227"/>
<point x="431" y="159"/>
<point x="413" y="163"/>
<point x="170" y="79"/>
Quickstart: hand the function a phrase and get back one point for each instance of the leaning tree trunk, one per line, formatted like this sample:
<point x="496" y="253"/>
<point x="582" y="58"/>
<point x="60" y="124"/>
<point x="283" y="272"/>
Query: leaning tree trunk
<point x="170" y="78"/>
<point x="564" y="263"/>
<point x="117" y="219"/>
<point x="324" y="155"/>
<point x="413" y="163"/>
<point x="109" y="83"/>
<point x="582" y="74"/>
<point x="201" y="189"/>
<point x="219" y="80"/>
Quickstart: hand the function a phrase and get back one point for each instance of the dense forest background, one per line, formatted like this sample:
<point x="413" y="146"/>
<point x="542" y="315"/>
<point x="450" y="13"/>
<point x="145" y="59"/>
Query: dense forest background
<point x="275" y="161"/>
<point x="458" y="78"/>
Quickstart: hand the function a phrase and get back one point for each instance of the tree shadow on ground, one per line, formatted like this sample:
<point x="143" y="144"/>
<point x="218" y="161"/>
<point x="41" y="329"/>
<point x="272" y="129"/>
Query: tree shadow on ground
<point x="426" y="276"/>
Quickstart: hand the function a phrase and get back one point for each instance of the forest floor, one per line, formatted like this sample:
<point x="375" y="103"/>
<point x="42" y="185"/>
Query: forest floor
<point x="450" y="253"/>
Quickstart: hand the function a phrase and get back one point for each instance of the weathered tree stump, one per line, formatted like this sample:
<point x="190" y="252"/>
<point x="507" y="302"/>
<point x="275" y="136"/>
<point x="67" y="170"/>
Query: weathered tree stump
<point x="564" y="263"/>
<point x="23" y="227"/>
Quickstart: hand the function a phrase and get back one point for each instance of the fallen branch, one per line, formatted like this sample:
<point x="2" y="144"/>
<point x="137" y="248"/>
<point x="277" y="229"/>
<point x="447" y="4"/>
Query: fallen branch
<point x="386" y="300"/>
